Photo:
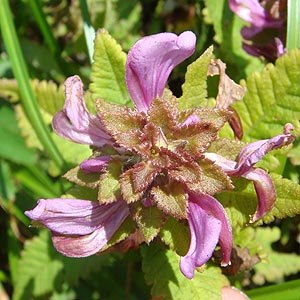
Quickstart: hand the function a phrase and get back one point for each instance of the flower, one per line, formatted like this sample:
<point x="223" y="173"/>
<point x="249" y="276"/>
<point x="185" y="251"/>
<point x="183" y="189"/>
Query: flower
<point x="80" y="227"/>
<point x="267" y="34"/>
<point x="151" y="162"/>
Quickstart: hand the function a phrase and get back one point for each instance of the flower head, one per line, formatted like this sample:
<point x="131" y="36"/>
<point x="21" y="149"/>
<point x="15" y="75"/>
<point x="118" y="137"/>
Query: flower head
<point x="150" y="162"/>
<point x="267" y="34"/>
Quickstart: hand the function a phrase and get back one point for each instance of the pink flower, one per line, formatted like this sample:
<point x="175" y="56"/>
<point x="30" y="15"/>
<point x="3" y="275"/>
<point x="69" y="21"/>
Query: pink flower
<point x="162" y="153"/>
<point x="267" y="34"/>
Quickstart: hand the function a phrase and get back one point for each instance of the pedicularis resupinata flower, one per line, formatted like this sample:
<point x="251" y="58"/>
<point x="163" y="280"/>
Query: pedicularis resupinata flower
<point x="152" y="162"/>
<point x="267" y="34"/>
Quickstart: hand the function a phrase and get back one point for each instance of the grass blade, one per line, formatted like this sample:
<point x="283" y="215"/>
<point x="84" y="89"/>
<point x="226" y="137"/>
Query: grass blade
<point x="293" y="25"/>
<point x="89" y="31"/>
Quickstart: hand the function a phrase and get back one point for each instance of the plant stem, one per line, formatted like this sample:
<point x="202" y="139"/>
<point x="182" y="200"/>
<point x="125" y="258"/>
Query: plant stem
<point x="293" y="24"/>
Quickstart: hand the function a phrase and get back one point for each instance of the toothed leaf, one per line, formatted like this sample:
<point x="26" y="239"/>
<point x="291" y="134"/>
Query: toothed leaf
<point x="149" y="220"/>
<point x="109" y="186"/>
<point x="194" y="89"/>
<point x="171" y="199"/>
<point x="108" y="70"/>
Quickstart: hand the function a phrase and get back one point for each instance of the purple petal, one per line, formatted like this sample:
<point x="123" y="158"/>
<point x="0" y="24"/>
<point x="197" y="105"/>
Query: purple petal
<point x="150" y="62"/>
<point x="208" y="224"/>
<point x="280" y="50"/>
<point x="72" y="216"/>
<point x="251" y="11"/>
<point x="263" y="184"/>
<point x="265" y="191"/>
<point x="95" y="164"/>
<point x="82" y="246"/>
<point x="74" y="122"/>
<point x="255" y="151"/>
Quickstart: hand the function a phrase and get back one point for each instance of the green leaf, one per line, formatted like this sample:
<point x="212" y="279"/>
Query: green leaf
<point x="176" y="235"/>
<point x="277" y="265"/>
<point x="109" y="186"/>
<point x="50" y="96"/>
<point x="149" y="220"/>
<point x="81" y="178"/>
<point x="194" y="89"/>
<point x="108" y="70"/>
<point x="171" y="199"/>
<point x="272" y="98"/>
<point x="42" y="269"/>
<point x="161" y="268"/>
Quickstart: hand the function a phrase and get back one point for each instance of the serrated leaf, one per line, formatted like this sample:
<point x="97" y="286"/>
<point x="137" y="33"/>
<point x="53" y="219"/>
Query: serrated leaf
<point x="149" y="220"/>
<point x="171" y="199"/>
<point x="272" y="98"/>
<point x="9" y="90"/>
<point x="109" y="186"/>
<point x="81" y="178"/>
<point x="198" y="136"/>
<point x="176" y="235"/>
<point x="127" y="189"/>
<point x="42" y="269"/>
<point x="161" y="268"/>
<point x="49" y="95"/>
<point x="277" y="265"/>
<point x="168" y="108"/>
<point x="194" y="89"/>
<point x="214" y="179"/>
<point x="108" y="70"/>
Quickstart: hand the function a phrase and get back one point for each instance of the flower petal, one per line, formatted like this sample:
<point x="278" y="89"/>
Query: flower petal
<point x="74" y="122"/>
<point x="86" y="245"/>
<point x="72" y="216"/>
<point x="263" y="184"/>
<point x="255" y="151"/>
<point x="95" y="164"/>
<point x="252" y="11"/>
<point x="150" y="62"/>
<point x="205" y="230"/>
<point x="265" y="191"/>
<point x="208" y="224"/>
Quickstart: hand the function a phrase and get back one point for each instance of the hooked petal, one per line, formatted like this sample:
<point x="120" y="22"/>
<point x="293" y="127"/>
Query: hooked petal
<point x="263" y="183"/>
<point x="74" y="122"/>
<point x="265" y="192"/>
<point x="254" y="152"/>
<point x="72" y="216"/>
<point x="150" y="62"/>
<point x="208" y="225"/>
<point x="86" y="245"/>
